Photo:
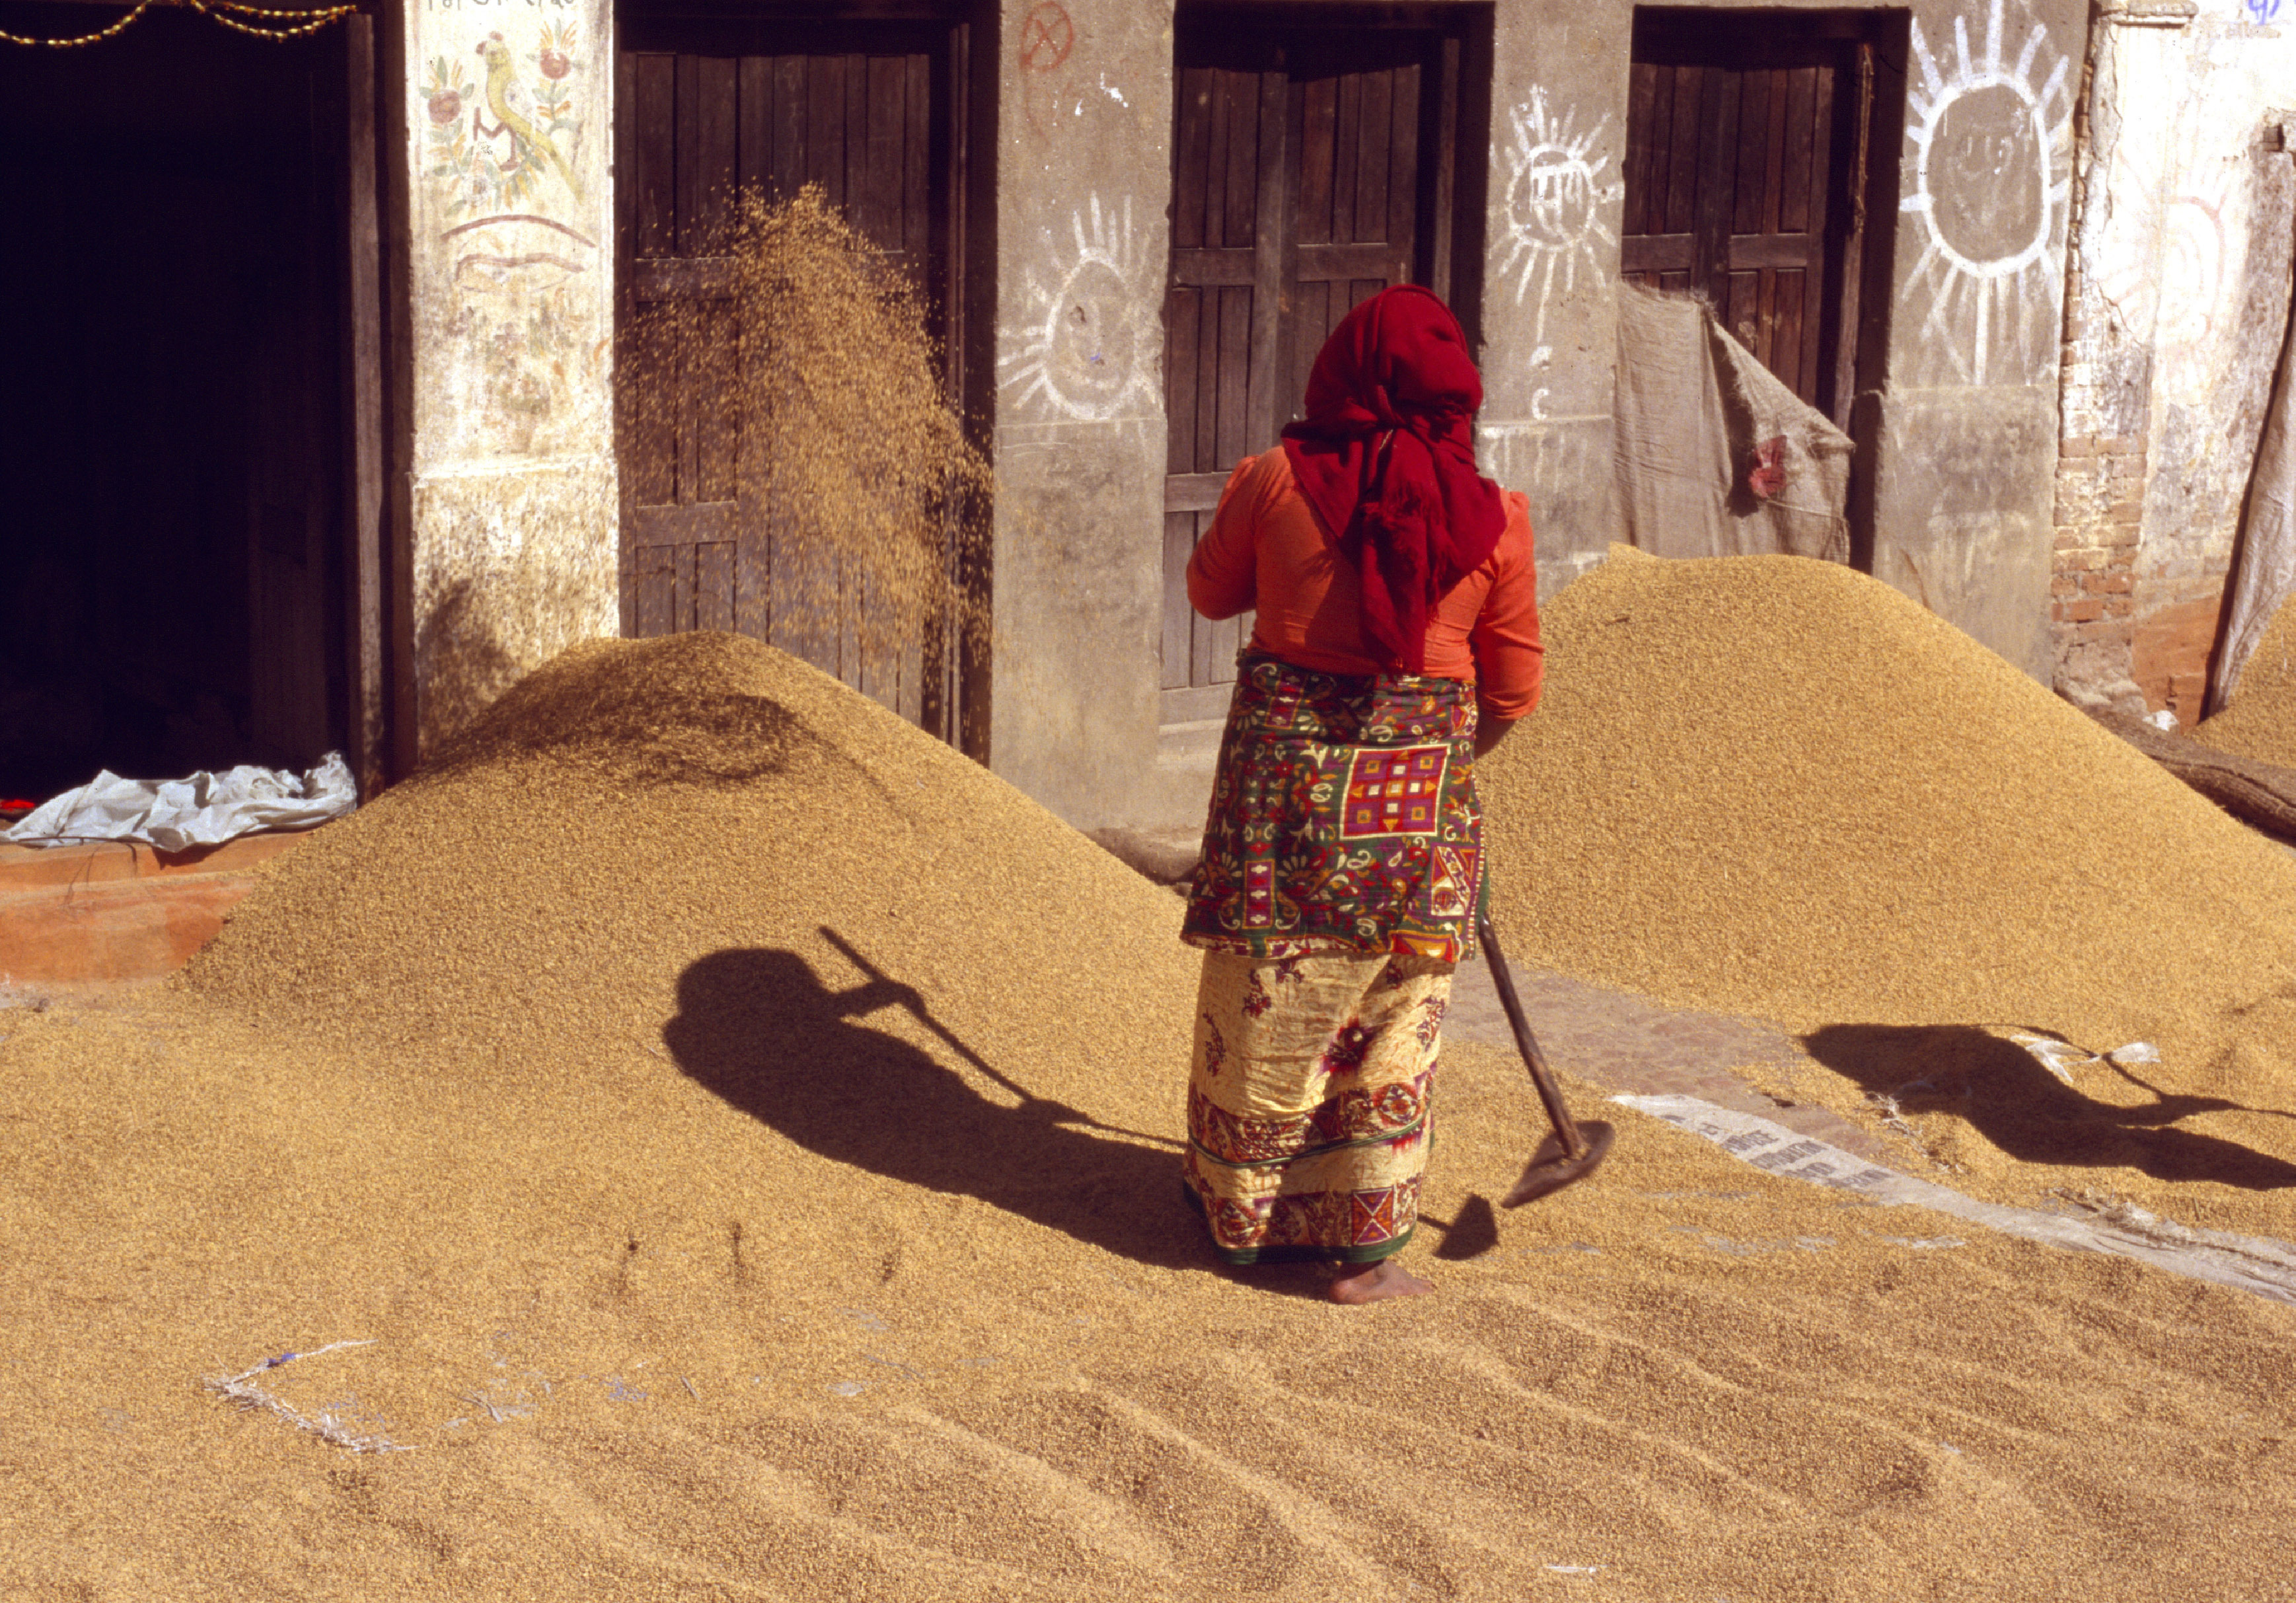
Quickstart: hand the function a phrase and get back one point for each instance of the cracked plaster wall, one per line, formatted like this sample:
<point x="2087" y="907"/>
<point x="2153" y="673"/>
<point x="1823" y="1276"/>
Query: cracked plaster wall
<point x="2181" y="278"/>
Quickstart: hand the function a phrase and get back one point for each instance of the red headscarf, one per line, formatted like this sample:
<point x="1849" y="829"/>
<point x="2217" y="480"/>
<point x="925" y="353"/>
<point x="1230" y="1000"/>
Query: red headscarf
<point x="1386" y="454"/>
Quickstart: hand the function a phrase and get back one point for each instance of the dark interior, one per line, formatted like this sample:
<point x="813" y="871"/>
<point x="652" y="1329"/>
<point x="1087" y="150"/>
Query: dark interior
<point x="172" y="433"/>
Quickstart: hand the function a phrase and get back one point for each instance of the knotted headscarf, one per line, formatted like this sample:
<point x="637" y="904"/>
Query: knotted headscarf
<point x="1386" y="454"/>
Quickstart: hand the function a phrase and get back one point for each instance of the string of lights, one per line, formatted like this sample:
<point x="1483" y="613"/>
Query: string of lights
<point x="317" y="20"/>
<point x="301" y="24"/>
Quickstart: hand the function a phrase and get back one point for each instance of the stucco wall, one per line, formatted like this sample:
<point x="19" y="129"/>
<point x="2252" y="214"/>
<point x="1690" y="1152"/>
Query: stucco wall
<point x="1083" y="170"/>
<point x="512" y="498"/>
<point x="1962" y="431"/>
<point x="1962" y="434"/>
<point x="1555" y="198"/>
<point x="2183" y="266"/>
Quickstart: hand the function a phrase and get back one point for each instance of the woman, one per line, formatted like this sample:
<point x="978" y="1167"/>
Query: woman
<point x="1397" y="640"/>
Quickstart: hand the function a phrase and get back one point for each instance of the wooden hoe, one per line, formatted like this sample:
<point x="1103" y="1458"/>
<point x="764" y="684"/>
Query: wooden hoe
<point x="1574" y="1150"/>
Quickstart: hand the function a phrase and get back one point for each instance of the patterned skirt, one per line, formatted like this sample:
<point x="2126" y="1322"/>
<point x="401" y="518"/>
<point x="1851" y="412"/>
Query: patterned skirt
<point x="1342" y="863"/>
<point x="1343" y="818"/>
<point x="1308" y="1103"/>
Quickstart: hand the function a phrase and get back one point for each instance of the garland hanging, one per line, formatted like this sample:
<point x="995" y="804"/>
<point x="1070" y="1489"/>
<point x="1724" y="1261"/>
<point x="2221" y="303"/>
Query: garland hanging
<point x="297" y="24"/>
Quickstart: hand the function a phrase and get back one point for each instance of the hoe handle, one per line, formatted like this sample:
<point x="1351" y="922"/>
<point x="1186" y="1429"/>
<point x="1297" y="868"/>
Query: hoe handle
<point x="1566" y="1129"/>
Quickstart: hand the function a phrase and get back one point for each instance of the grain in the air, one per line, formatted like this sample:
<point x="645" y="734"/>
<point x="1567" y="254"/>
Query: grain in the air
<point x="827" y="406"/>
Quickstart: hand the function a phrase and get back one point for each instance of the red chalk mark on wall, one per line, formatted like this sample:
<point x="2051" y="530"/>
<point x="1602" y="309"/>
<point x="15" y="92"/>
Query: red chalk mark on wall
<point x="1047" y="38"/>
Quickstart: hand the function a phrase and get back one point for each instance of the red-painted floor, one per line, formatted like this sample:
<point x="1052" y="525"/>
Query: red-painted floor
<point x="108" y="913"/>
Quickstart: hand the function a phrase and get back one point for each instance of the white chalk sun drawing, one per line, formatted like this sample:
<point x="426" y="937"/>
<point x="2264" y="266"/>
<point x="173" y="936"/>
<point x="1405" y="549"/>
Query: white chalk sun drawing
<point x="1088" y="349"/>
<point x="1992" y="169"/>
<point x="1555" y="195"/>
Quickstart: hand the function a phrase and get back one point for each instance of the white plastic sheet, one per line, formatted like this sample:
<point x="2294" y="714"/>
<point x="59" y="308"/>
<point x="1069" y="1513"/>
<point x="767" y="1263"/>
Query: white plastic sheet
<point x="205" y="809"/>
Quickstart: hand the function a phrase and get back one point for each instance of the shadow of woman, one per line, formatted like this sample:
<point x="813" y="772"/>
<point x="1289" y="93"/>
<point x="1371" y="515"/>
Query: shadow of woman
<point x="2026" y="1112"/>
<point x="758" y="1028"/>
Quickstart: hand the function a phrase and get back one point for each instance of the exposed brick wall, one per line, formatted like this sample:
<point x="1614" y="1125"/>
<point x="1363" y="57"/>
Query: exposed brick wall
<point x="2100" y="514"/>
<point x="2170" y="658"/>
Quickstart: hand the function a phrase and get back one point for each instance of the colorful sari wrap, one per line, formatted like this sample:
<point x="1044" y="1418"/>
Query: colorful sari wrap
<point x="1308" y="1103"/>
<point x="1341" y="869"/>
<point x="1343" y="818"/>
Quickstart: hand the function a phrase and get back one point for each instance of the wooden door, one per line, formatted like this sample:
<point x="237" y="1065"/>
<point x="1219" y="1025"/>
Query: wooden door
<point x="1746" y="149"/>
<point x="1311" y="169"/>
<point x="708" y="111"/>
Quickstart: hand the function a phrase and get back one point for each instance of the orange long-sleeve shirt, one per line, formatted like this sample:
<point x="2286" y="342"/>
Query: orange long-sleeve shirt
<point x="1267" y="549"/>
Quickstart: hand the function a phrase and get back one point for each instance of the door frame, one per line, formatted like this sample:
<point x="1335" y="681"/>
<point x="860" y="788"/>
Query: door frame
<point x="377" y="559"/>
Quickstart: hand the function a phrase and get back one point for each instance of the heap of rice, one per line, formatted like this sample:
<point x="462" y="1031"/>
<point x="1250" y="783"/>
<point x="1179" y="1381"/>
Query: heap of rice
<point x="2260" y="719"/>
<point x="1778" y="786"/>
<point x="704" y="830"/>
<point x="696" y="1263"/>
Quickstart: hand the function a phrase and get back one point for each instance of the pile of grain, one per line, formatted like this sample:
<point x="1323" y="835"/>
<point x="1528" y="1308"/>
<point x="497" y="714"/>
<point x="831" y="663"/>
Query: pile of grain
<point x="698" y="1263"/>
<point x="2261" y="720"/>
<point x="1778" y="787"/>
<point x="641" y="823"/>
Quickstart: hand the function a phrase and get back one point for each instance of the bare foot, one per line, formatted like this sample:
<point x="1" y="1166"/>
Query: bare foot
<point x="1377" y="1282"/>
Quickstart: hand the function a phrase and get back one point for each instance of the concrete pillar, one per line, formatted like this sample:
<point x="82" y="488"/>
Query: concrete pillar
<point x="1554" y="203"/>
<point x="1083" y="173"/>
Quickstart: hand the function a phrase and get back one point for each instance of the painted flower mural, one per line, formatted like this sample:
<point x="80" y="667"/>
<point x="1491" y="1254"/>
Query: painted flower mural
<point x="506" y="203"/>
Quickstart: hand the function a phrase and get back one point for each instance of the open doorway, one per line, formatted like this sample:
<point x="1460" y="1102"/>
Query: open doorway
<point x="175" y="427"/>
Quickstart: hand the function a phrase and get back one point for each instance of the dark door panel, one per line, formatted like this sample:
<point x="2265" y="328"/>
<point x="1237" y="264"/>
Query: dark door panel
<point x="712" y="110"/>
<point x="1749" y="140"/>
<point x="1312" y="167"/>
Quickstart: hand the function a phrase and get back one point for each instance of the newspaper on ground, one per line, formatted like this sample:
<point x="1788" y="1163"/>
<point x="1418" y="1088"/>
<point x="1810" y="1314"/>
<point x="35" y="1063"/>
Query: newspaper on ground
<point x="2253" y="1263"/>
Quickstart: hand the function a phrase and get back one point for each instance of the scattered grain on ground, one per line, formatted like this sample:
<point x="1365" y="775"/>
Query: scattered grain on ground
<point x="646" y="1344"/>
<point x="2260" y="719"/>
<point x="744" y="1130"/>
<point x="1777" y="787"/>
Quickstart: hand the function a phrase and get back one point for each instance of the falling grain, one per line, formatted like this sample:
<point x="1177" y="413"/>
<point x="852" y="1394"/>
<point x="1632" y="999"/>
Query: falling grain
<point x="853" y="471"/>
